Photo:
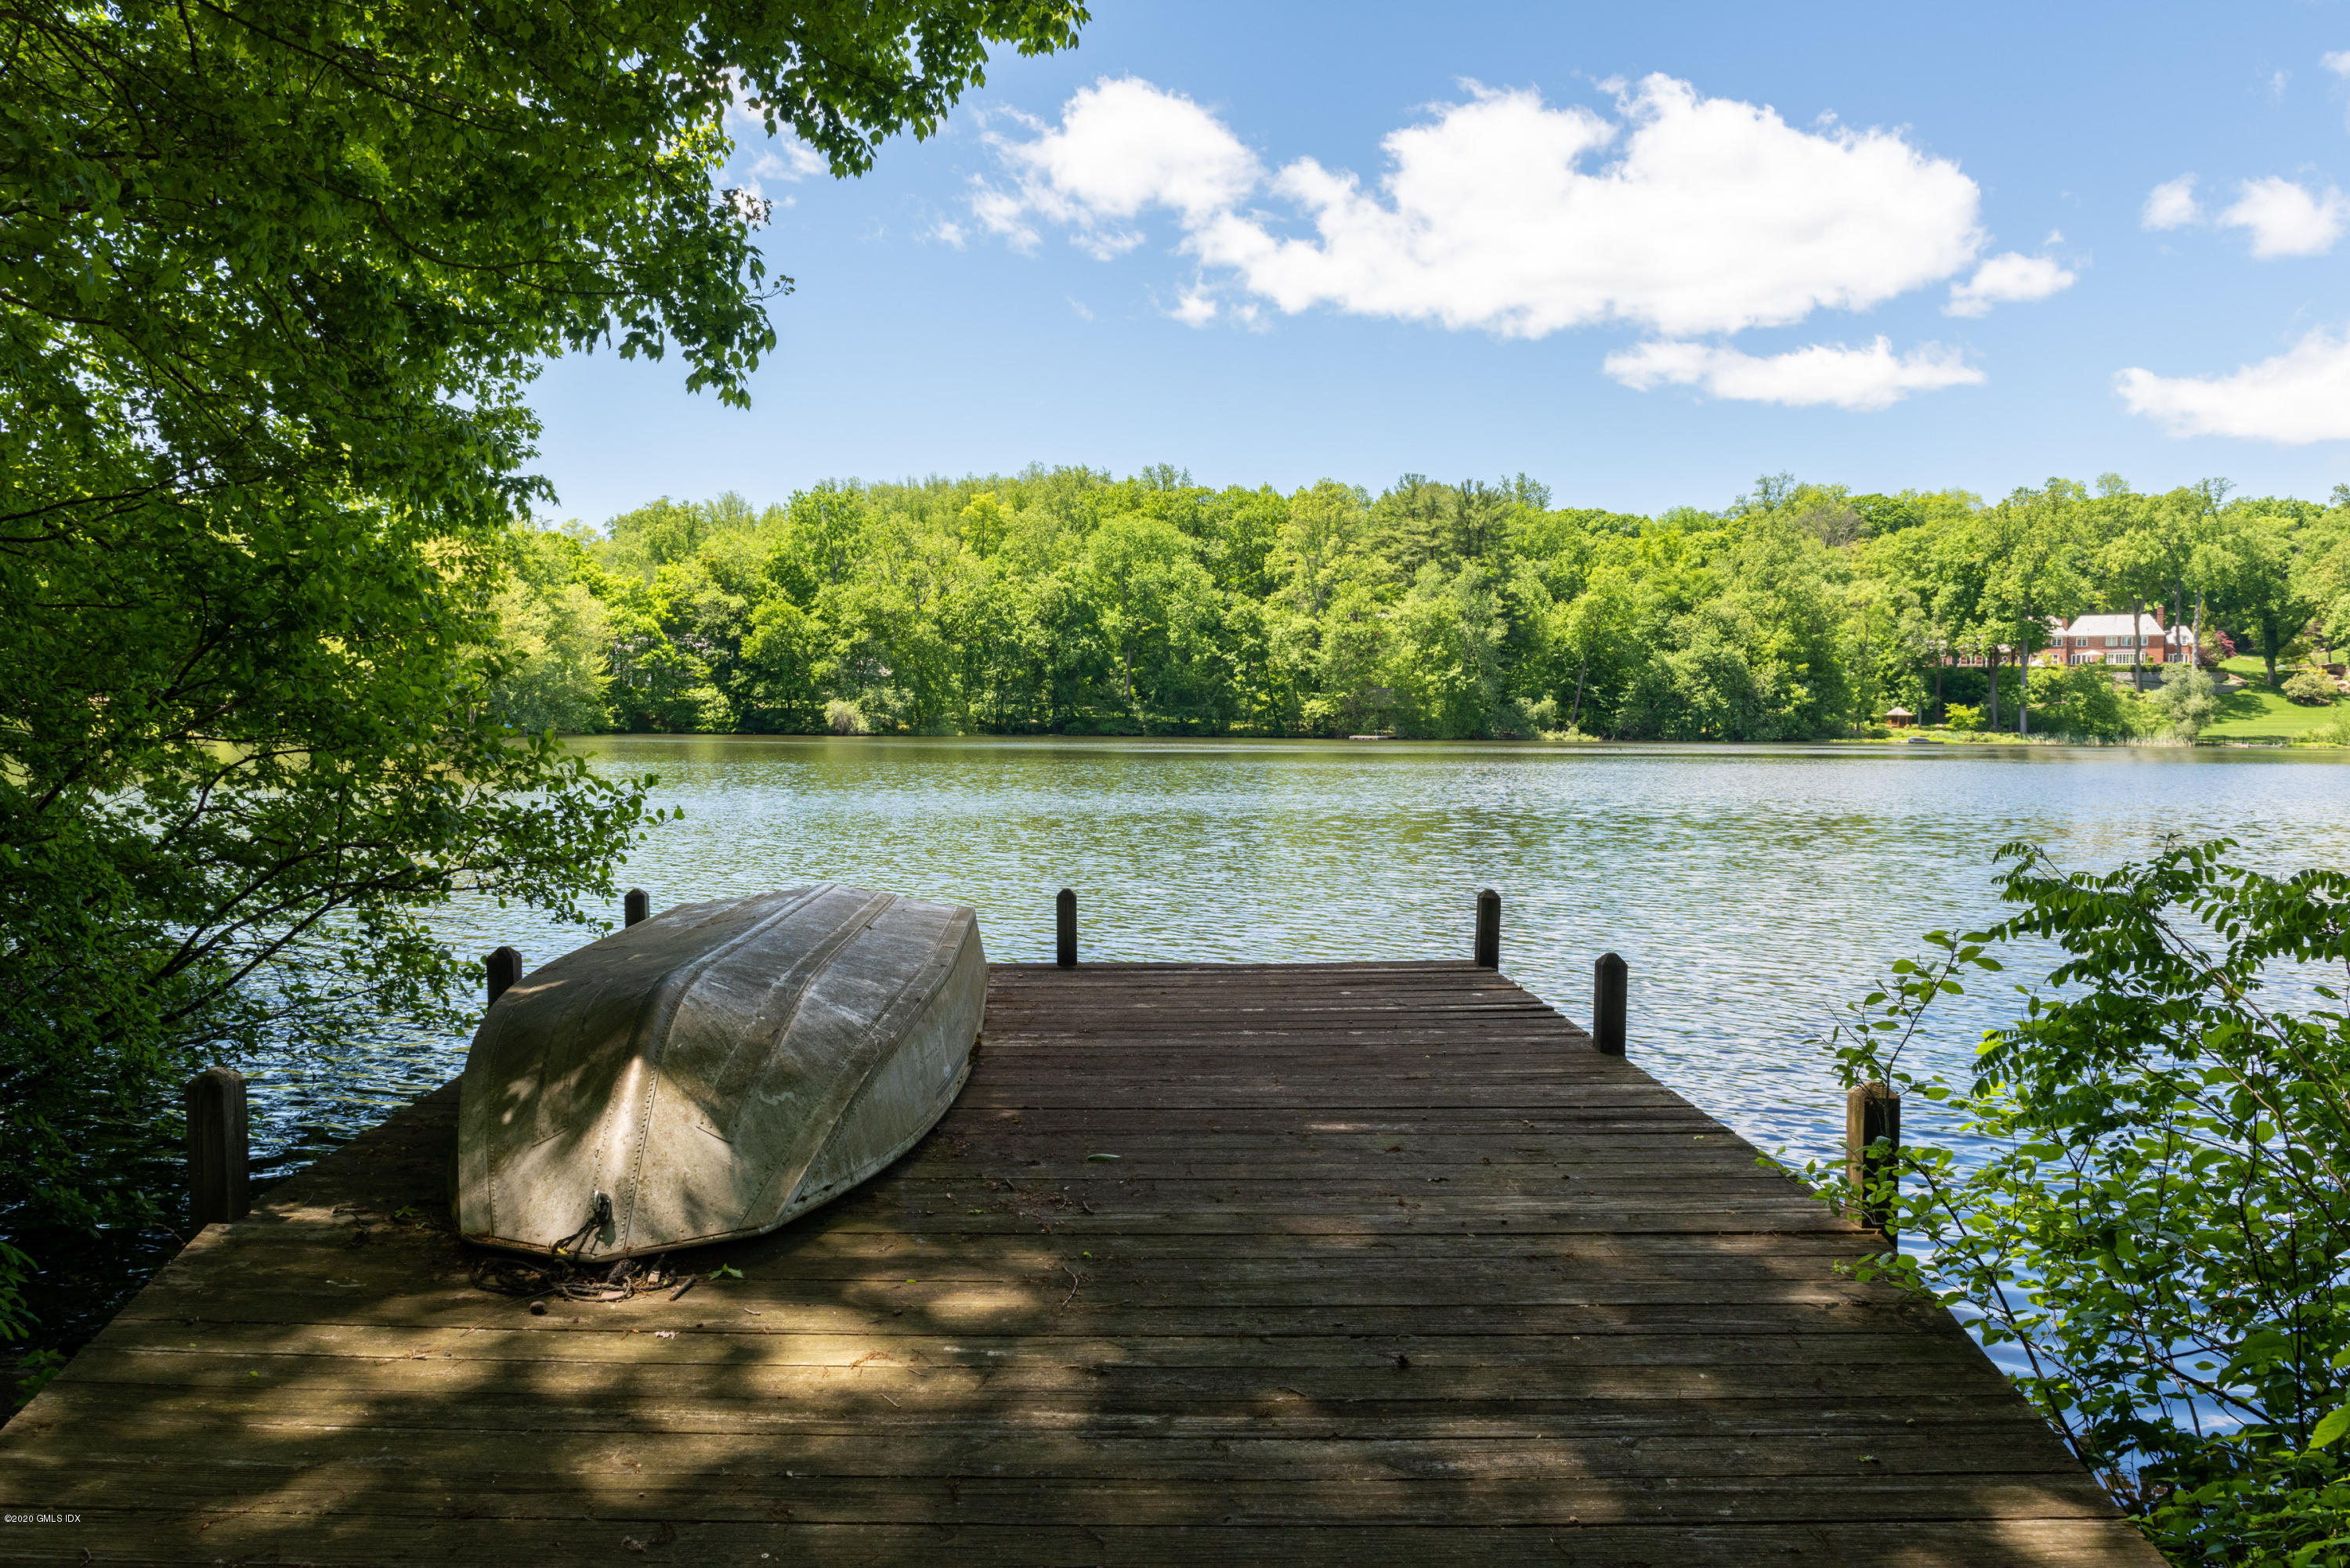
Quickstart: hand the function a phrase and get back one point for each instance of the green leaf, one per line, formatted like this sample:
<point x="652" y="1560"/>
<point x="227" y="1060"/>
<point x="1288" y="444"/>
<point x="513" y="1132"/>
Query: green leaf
<point x="2330" y="1427"/>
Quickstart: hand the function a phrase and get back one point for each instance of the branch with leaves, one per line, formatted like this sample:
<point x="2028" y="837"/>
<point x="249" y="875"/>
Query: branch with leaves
<point x="2162" y="1223"/>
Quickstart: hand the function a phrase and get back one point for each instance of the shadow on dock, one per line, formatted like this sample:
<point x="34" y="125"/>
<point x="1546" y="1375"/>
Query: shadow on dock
<point x="1327" y="1265"/>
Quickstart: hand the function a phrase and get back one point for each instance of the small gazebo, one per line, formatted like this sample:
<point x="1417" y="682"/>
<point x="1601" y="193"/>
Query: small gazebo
<point x="1899" y="718"/>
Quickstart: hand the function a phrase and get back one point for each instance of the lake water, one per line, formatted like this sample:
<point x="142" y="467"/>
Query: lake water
<point x="1753" y="890"/>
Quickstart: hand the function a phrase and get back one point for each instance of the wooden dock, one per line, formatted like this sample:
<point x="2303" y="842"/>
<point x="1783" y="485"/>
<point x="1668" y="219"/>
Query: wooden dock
<point x="1334" y="1265"/>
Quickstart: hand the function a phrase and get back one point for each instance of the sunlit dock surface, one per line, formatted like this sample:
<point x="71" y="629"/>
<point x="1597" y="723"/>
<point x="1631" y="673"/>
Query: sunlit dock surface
<point x="1327" y="1265"/>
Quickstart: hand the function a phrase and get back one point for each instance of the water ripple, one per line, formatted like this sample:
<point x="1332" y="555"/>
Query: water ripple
<point x="1753" y="890"/>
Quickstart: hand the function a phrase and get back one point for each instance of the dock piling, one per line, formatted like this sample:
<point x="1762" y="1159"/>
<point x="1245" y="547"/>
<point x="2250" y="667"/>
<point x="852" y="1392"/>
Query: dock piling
<point x="637" y="908"/>
<point x="1610" y="988"/>
<point x="1872" y="1142"/>
<point x="1065" y="928"/>
<point x="1488" y="930"/>
<point x="504" y="965"/>
<point x="220" y="1183"/>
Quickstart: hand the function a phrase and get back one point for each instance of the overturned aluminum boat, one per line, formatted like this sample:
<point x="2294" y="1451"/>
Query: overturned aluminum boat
<point x="714" y="1071"/>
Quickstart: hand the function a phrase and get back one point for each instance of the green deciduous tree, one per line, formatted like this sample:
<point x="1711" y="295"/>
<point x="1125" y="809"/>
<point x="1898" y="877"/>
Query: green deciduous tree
<point x="1443" y="663"/>
<point x="555" y="640"/>
<point x="2261" y="590"/>
<point x="2033" y="544"/>
<point x="1324" y="543"/>
<point x="273" y="275"/>
<point x="1596" y="633"/>
<point x="1159" y="612"/>
<point x="2134" y="566"/>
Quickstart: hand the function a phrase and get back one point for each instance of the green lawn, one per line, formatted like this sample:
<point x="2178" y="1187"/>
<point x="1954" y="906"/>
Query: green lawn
<point x="2257" y="713"/>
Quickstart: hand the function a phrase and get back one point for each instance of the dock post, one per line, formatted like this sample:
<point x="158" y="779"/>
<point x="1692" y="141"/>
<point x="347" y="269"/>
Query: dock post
<point x="220" y="1184"/>
<point x="1065" y="928"/>
<point x="637" y="908"/>
<point x="504" y="965"/>
<point x="1488" y="930"/>
<point x="1872" y="1144"/>
<point x="1611" y="990"/>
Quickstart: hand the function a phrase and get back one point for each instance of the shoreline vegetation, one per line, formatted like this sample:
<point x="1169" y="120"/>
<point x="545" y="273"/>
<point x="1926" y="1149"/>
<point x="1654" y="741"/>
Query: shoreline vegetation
<point x="2155" y="1213"/>
<point x="1065" y="601"/>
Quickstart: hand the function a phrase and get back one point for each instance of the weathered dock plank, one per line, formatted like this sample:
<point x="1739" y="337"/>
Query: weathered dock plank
<point x="1327" y="1265"/>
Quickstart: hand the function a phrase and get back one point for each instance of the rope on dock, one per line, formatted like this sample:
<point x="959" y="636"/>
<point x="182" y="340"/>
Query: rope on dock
<point x="575" y="1280"/>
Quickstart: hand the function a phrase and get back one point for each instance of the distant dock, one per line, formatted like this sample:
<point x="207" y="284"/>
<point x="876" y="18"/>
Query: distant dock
<point x="1325" y="1264"/>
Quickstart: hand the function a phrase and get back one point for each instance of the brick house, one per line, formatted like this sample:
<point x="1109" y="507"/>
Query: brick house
<point x="2095" y="640"/>
<point x="2107" y="638"/>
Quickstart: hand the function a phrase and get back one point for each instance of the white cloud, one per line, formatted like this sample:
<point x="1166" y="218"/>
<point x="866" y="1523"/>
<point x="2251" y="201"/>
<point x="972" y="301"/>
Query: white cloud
<point x="2286" y="219"/>
<point x="2008" y="280"/>
<point x="1710" y="215"/>
<point x="1084" y="314"/>
<point x="2172" y="205"/>
<point x="1856" y="379"/>
<point x="1122" y="145"/>
<point x="781" y="157"/>
<point x="2300" y="396"/>
<point x="784" y="159"/>
<point x="799" y="159"/>
<point x="1195" y="309"/>
<point x="1004" y="214"/>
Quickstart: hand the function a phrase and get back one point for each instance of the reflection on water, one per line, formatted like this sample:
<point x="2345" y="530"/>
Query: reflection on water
<point x="1752" y="890"/>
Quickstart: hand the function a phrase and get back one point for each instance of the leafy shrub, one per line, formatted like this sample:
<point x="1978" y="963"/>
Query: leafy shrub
<point x="2186" y="701"/>
<point x="2160" y="1224"/>
<point x="2311" y="688"/>
<point x="1962" y="716"/>
<point x="2082" y="700"/>
<point x="1535" y="718"/>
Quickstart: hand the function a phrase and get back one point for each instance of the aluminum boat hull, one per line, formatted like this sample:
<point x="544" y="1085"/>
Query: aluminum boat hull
<point x="714" y="1072"/>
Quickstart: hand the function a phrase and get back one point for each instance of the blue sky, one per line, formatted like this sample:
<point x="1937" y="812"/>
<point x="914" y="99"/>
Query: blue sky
<point x="1641" y="254"/>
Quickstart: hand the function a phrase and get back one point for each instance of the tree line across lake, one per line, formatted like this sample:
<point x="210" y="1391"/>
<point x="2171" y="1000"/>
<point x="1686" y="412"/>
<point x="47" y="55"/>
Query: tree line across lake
<point x="1067" y="601"/>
